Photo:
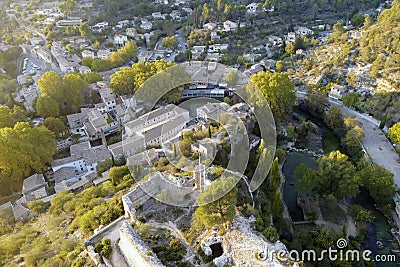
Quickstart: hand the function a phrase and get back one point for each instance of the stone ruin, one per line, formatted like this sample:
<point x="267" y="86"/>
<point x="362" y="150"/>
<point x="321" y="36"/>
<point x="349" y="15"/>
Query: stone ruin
<point x="242" y="246"/>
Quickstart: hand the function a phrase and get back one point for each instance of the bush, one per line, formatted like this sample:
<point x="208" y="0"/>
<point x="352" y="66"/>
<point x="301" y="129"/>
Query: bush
<point x="106" y="251"/>
<point x="80" y="262"/>
<point x="98" y="247"/>
<point x="37" y="206"/>
<point x="104" y="166"/>
<point x="360" y="214"/>
<point x="271" y="234"/>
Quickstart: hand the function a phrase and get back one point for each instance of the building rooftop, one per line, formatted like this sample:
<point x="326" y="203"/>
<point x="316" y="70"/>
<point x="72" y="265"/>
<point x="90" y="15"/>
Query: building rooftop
<point x="63" y="174"/>
<point x="19" y="209"/>
<point x="59" y="162"/>
<point x="33" y="182"/>
<point x="77" y="116"/>
<point x="165" y="127"/>
<point x="76" y="150"/>
<point x="95" y="154"/>
<point x="37" y="194"/>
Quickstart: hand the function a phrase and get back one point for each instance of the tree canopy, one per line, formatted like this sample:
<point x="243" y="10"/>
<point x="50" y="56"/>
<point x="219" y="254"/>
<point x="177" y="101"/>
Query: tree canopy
<point x="394" y="133"/>
<point x="67" y="91"/>
<point x="170" y="42"/>
<point x="128" y="80"/>
<point x="221" y="210"/>
<point x="24" y="149"/>
<point x="278" y="89"/>
<point x="232" y="78"/>
<point x="335" y="175"/>
<point x="46" y="106"/>
<point x="380" y="183"/>
<point x="115" y="60"/>
<point x="55" y="125"/>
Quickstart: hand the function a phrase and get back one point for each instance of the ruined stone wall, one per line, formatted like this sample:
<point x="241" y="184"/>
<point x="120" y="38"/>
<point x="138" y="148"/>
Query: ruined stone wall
<point x="135" y="251"/>
<point x="140" y="194"/>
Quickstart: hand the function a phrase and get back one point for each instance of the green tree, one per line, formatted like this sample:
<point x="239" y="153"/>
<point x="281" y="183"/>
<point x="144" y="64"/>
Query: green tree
<point x="73" y="88"/>
<point x="87" y="61"/>
<point x="336" y="175"/>
<point x="351" y="99"/>
<point x="334" y="119"/>
<point x="322" y="237"/>
<point x="46" y="106"/>
<point x="339" y="34"/>
<point x="290" y="49"/>
<point x="278" y="90"/>
<point x="122" y="82"/>
<point x="96" y="45"/>
<point x="99" y="65"/>
<point x="37" y="206"/>
<point x="84" y="29"/>
<point x="279" y="66"/>
<point x="353" y="139"/>
<point x="51" y="84"/>
<point x="222" y="210"/>
<point x="6" y="119"/>
<point x="368" y="21"/>
<point x="92" y="77"/>
<point x="316" y="100"/>
<point x="128" y="51"/>
<point x="277" y="206"/>
<point x="351" y="80"/>
<point x="232" y="78"/>
<point x="117" y="173"/>
<point x="360" y="214"/>
<point x="104" y="166"/>
<point x="106" y="247"/>
<point x="19" y="114"/>
<point x="56" y="126"/>
<point x="380" y="183"/>
<point x="394" y="133"/>
<point x="271" y="234"/>
<point x="307" y="179"/>
<point x="274" y="176"/>
<point x="357" y="20"/>
<point x="291" y="133"/>
<point x="170" y="42"/>
<point x="24" y="149"/>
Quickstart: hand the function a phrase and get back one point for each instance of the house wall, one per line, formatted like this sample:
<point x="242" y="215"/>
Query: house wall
<point x="77" y="165"/>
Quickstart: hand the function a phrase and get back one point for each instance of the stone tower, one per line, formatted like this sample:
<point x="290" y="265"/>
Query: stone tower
<point x="199" y="175"/>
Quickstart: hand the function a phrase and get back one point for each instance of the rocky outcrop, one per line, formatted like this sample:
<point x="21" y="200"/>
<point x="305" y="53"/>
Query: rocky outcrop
<point x="245" y="247"/>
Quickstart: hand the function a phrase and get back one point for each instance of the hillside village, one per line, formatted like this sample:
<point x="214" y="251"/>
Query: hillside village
<point x="86" y="73"/>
